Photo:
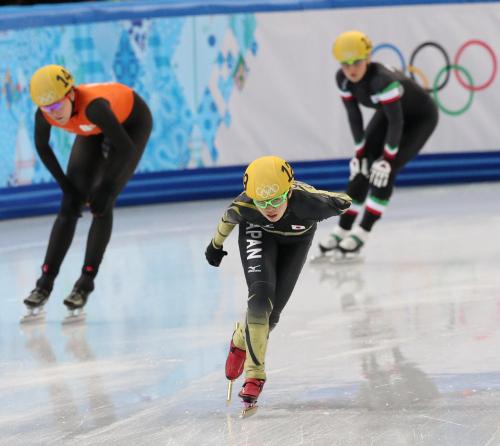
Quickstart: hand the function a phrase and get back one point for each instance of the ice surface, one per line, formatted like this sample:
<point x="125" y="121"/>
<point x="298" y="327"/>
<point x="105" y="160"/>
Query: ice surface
<point x="402" y="349"/>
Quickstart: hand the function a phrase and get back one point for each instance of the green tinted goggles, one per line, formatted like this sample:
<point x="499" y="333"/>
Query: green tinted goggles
<point x="348" y="63"/>
<point x="275" y="202"/>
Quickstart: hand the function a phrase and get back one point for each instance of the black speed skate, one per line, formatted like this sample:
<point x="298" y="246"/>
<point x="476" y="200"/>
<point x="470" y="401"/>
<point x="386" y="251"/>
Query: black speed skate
<point x="345" y="255"/>
<point x="337" y="255"/>
<point x="34" y="304"/>
<point x="351" y="246"/>
<point x="75" y="303"/>
<point x="329" y="247"/>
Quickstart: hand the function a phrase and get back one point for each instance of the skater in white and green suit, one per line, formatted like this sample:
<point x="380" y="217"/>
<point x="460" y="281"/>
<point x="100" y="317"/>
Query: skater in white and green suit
<point x="404" y="119"/>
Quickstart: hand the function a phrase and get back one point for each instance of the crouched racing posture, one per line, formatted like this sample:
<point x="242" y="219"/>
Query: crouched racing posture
<point x="405" y="117"/>
<point x="112" y="124"/>
<point x="277" y="218"/>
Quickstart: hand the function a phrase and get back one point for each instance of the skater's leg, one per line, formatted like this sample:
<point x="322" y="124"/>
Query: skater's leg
<point x="239" y="337"/>
<point x="359" y="184"/>
<point x="357" y="189"/>
<point x="99" y="234"/>
<point x="291" y="259"/>
<point x="416" y="132"/>
<point x="258" y="251"/>
<point x="81" y="165"/>
<point x="237" y="354"/>
<point x="97" y="241"/>
<point x="61" y="236"/>
<point x="60" y="240"/>
<point x="112" y="176"/>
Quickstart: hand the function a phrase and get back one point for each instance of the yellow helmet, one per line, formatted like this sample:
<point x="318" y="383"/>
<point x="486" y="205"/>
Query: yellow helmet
<point x="267" y="177"/>
<point x="351" y="46"/>
<point x="50" y="84"/>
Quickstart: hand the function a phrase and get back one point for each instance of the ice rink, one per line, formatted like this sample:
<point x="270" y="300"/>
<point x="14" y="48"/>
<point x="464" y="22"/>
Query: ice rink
<point x="402" y="349"/>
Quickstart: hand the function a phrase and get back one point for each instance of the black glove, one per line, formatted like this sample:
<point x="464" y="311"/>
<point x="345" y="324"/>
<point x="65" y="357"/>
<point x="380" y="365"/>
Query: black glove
<point x="214" y="255"/>
<point x="342" y="201"/>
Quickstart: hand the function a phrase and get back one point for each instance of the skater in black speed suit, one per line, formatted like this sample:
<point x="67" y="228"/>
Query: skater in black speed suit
<point x="277" y="218"/>
<point x="404" y="119"/>
<point x="112" y="124"/>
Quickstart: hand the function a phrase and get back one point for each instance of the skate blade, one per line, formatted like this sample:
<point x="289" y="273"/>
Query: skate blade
<point x="336" y="257"/>
<point x="33" y="317"/>
<point x="249" y="409"/>
<point x="74" y="317"/>
<point x="229" y="392"/>
<point x="346" y="259"/>
<point x="321" y="258"/>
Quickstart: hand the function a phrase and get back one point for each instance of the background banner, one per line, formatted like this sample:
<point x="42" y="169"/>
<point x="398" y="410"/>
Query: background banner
<point x="290" y="104"/>
<point x="227" y="88"/>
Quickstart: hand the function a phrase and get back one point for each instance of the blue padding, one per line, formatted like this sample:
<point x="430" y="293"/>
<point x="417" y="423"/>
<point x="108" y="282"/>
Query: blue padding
<point x="17" y="17"/>
<point x="226" y="182"/>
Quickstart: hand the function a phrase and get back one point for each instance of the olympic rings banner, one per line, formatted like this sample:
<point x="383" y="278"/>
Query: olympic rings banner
<point x="291" y="104"/>
<point x="442" y="77"/>
<point x="225" y="89"/>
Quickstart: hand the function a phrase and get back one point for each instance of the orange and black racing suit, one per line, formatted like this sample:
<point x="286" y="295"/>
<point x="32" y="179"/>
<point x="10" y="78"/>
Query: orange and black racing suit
<point x="112" y="124"/>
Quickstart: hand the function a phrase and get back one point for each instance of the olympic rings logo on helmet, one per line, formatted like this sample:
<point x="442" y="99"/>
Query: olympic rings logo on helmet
<point x="267" y="191"/>
<point x="443" y="76"/>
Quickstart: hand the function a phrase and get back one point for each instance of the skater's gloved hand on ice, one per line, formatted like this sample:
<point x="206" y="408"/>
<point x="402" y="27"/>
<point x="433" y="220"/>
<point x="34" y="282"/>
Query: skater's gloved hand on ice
<point x="380" y="172"/>
<point x="358" y="166"/>
<point x="213" y="254"/>
<point x="101" y="198"/>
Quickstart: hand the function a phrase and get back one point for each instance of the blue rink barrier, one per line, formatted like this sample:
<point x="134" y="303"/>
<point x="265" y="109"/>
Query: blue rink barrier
<point x="19" y="17"/>
<point x="226" y="182"/>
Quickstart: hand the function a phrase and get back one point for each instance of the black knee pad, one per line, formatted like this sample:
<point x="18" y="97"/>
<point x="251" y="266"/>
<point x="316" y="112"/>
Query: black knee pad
<point x="259" y="302"/>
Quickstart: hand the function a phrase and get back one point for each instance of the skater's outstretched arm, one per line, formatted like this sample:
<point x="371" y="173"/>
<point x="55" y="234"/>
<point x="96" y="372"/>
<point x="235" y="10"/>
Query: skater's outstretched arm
<point x="214" y="252"/>
<point x="316" y="204"/>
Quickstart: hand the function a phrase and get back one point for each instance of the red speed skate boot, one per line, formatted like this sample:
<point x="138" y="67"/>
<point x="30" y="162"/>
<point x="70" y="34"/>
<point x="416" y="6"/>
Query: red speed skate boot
<point x="235" y="362"/>
<point x="236" y="356"/>
<point x="249" y="394"/>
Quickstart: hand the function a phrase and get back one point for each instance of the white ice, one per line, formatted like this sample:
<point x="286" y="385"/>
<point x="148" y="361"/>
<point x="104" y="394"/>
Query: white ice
<point x="402" y="349"/>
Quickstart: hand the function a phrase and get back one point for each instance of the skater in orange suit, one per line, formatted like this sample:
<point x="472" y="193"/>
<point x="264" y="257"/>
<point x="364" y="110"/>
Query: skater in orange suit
<point x="112" y="124"/>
